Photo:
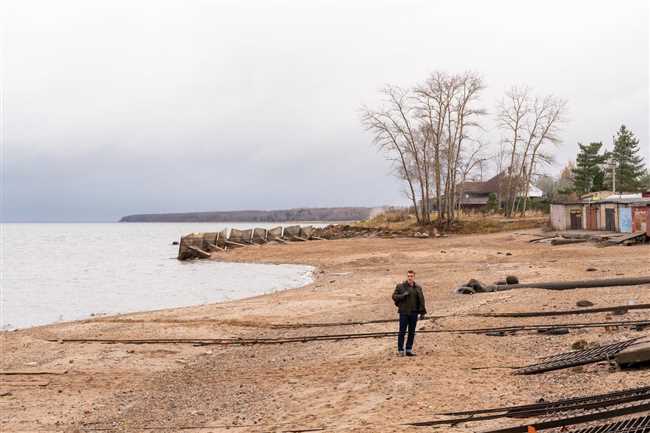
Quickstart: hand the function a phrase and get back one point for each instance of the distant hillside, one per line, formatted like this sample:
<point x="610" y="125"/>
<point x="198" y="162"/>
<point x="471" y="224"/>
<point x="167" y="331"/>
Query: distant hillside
<point x="300" y="214"/>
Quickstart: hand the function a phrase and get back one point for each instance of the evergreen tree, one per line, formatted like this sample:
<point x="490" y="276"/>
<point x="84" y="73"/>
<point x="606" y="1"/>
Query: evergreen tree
<point x="630" y="168"/>
<point x="588" y="173"/>
<point x="645" y="181"/>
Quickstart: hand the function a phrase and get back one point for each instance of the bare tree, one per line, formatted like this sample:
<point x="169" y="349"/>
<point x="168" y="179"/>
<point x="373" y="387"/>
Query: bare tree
<point x="446" y="103"/>
<point x="549" y="114"/>
<point x="396" y="130"/>
<point x="465" y="115"/>
<point x="512" y="114"/>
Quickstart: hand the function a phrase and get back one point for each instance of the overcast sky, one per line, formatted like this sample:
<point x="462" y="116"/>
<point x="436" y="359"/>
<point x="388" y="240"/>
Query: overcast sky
<point x="119" y="107"/>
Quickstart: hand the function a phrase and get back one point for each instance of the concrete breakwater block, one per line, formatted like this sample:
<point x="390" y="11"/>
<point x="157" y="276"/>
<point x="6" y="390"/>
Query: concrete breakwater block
<point x="209" y="239"/>
<point x="221" y="238"/>
<point x="306" y="232"/>
<point x="292" y="231"/>
<point x="242" y="236"/>
<point x="259" y="235"/>
<point x="634" y="355"/>
<point x="275" y="232"/>
<point x="189" y="244"/>
<point x="201" y="245"/>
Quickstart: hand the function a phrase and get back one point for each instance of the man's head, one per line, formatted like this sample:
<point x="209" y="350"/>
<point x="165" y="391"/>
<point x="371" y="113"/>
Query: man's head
<point x="410" y="276"/>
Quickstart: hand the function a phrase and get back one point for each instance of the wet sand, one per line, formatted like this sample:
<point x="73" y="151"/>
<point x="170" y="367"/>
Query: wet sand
<point x="352" y="385"/>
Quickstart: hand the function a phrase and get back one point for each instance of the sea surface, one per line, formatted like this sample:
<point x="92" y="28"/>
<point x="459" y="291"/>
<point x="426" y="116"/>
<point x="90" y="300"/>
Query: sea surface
<point x="61" y="272"/>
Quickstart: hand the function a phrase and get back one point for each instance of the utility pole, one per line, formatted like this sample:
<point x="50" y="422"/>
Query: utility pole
<point x="613" y="167"/>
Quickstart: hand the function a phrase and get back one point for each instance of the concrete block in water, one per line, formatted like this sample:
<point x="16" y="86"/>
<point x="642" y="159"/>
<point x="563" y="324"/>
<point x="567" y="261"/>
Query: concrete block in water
<point x="209" y="238"/>
<point x="192" y="240"/>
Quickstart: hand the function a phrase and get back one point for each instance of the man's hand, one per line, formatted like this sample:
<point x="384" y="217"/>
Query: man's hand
<point x="423" y="316"/>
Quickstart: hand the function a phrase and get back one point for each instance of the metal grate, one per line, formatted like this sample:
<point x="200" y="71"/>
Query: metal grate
<point x="630" y="425"/>
<point x="575" y="358"/>
<point x="562" y="407"/>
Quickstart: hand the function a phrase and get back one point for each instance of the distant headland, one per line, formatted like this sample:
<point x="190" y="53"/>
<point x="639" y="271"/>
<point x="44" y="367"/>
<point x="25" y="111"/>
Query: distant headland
<point x="283" y="215"/>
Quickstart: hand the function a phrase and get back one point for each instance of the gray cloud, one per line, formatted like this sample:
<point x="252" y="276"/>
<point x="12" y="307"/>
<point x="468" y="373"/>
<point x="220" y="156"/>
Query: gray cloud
<point x="134" y="106"/>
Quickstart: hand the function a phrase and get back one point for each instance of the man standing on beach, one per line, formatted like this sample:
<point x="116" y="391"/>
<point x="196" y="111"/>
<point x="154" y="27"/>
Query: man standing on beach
<point x="409" y="300"/>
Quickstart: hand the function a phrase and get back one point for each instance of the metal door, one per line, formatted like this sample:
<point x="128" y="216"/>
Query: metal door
<point x="592" y="218"/>
<point x="576" y="220"/>
<point x="625" y="219"/>
<point x="610" y="220"/>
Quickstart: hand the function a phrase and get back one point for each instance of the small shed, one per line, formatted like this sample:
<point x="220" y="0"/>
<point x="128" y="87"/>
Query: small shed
<point x="568" y="216"/>
<point x="625" y="214"/>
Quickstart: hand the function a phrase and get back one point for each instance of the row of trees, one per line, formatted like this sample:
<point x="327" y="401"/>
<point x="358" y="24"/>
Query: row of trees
<point x="622" y="169"/>
<point x="433" y="133"/>
<point x="429" y="132"/>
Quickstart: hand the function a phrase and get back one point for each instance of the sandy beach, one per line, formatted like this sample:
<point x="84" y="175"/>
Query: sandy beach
<point x="341" y="386"/>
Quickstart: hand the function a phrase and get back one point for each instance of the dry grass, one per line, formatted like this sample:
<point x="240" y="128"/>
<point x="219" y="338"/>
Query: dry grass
<point x="466" y="224"/>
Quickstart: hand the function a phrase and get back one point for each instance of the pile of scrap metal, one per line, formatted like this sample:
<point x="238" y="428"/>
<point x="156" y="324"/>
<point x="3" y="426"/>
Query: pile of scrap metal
<point x="474" y="286"/>
<point x="615" y="412"/>
<point x="603" y="239"/>
<point x="201" y="245"/>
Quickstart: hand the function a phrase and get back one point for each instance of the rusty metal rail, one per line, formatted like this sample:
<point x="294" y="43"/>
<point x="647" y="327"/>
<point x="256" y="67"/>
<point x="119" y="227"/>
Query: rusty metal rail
<point x="563" y="406"/>
<point x="617" y="308"/>
<point x="337" y="337"/>
<point x="580" y="418"/>
<point x="575" y="358"/>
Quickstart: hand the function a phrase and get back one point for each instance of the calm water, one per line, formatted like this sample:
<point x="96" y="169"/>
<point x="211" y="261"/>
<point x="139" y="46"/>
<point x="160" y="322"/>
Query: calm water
<point x="60" y="272"/>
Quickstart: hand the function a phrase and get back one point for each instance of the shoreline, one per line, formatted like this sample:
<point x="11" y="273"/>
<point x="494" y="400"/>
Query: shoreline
<point x="307" y="274"/>
<point x="339" y="386"/>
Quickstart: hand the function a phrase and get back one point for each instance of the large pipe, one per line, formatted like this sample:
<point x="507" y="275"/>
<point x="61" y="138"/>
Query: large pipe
<point x="579" y="284"/>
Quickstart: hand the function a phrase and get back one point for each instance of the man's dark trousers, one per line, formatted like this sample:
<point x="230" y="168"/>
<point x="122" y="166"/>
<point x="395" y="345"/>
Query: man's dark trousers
<point x="406" y="321"/>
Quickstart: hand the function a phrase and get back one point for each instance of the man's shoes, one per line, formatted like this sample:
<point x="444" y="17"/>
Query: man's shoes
<point x="400" y="353"/>
<point x="410" y="353"/>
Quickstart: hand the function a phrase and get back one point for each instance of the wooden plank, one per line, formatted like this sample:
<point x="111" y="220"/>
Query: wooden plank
<point x="32" y="372"/>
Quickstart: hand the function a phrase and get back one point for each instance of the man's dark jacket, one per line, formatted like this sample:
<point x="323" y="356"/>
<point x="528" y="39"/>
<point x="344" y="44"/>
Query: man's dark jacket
<point x="409" y="299"/>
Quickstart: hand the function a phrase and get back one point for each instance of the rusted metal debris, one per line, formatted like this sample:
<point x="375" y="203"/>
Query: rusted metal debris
<point x="629" y="425"/>
<point x="578" y="357"/>
<point x="474" y="286"/>
<point x="338" y="337"/>
<point x="618" y="309"/>
<point x="567" y="241"/>
<point x="576" y="419"/>
<point x="545" y="409"/>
